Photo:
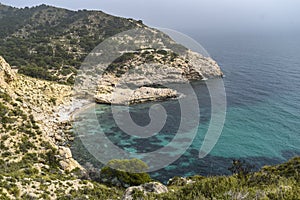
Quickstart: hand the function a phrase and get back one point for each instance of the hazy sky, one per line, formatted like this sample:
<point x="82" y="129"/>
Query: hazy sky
<point x="207" y="16"/>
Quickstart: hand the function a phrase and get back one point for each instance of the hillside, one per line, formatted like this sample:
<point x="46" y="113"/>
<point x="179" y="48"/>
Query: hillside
<point x="34" y="164"/>
<point x="50" y="43"/>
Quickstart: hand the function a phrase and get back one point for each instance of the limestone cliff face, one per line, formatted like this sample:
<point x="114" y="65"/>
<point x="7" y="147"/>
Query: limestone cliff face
<point x="6" y="73"/>
<point x="145" y="75"/>
<point x="25" y="96"/>
<point x="137" y="66"/>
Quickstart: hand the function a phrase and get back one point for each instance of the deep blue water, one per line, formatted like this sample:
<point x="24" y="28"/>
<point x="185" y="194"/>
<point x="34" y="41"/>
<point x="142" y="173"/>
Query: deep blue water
<point x="263" y="111"/>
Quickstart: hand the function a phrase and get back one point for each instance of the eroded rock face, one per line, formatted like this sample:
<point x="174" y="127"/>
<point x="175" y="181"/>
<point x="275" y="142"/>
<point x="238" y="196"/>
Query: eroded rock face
<point x="41" y="100"/>
<point x="66" y="160"/>
<point x="153" y="187"/>
<point x="128" y="64"/>
<point x="205" y="66"/>
<point x="140" y="95"/>
<point x="146" y="76"/>
<point x="6" y="73"/>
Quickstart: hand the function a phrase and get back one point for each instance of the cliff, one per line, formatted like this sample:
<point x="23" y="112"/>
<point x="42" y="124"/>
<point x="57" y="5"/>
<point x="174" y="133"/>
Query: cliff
<point x="32" y="137"/>
<point x="6" y="73"/>
<point x="141" y="65"/>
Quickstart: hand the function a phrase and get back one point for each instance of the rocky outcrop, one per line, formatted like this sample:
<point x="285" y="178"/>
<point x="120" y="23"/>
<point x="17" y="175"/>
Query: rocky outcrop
<point x="66" y="160"/>
<point x="204" y="66"/>
<point x="6" y="73"/>
<point x="126" y="65"/>
<point x="140" y="95"/>
<point x="153" y="187"/>
<point x="148" y="75"/>
<point x="41" y="100"/>
<point x="180" y="181"/>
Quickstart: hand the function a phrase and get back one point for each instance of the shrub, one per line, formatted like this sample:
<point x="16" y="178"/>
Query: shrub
<point x="125" y="173"/>
<point x="53" y="100"/>
<point x="5" y="96"/>
<point x="36" y="72"/>
<point x="241" y="168"/>
<point x="162" y="52"/>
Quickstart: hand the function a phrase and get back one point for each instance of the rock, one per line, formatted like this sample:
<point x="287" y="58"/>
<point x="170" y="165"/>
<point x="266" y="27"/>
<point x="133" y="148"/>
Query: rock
<point x="145" y="94"/>
<point x="204" y="66"/>
<point x="143" y="80"/>
<point x="59" y="138"/>
<point x="5" y="71"/>
<point x="66" y="160"/>
<point x="115" y="181"/>
<point x="153" y="187"/>
<point x="65" y="152"/>
<point x="70" y="164"/>
<point x="32" y="195"/>
<point x="179" y="181"/>
<point x="140" y="95"/>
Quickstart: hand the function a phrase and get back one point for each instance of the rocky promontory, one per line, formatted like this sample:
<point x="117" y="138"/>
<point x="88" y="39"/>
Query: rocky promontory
<point x="147" y="75"/>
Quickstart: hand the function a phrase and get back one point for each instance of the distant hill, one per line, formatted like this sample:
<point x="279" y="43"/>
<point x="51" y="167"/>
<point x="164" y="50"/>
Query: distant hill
<point x="50" y="43"/>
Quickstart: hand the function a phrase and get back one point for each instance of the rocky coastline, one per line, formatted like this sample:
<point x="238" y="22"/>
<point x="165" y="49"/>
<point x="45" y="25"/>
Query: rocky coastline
<point x="135" y="79"/>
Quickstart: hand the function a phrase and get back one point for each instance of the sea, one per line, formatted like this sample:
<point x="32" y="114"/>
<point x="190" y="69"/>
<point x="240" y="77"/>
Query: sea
<point x="262" y="124"/>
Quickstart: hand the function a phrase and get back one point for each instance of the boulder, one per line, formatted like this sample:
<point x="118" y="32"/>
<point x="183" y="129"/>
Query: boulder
<point x="6" y="73"/>
<point x="153" y="187"/>
<point x="180" y="181"/>
<point x="65" y="152"/>
<point x="66" y="160"/>
<point x="141" y="95"/>
<point x="70" y="164"/>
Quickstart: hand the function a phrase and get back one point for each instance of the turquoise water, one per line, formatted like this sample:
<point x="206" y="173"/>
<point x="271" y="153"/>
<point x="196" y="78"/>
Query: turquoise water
<point x="263" y="93"/>
<point x="262" y="123"/>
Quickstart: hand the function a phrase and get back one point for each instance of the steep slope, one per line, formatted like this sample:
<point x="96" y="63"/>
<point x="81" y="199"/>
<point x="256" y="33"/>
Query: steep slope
<point x="50" y="43"/>
<point x="150" y="73"/>
<point x="33" y="163"/>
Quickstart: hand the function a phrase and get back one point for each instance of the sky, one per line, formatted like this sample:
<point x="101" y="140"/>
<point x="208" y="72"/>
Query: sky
<point x="205" y="16"/>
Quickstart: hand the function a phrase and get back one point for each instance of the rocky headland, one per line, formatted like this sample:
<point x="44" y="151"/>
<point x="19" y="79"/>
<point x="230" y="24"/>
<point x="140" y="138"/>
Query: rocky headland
<point x="147" y="75"/>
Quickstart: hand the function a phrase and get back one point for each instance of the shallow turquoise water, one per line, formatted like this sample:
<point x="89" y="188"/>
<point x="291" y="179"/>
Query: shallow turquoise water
<point x="263" y="112"/>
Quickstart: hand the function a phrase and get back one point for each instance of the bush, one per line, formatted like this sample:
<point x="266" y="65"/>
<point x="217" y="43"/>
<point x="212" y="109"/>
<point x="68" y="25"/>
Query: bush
<point x="241" y="168"/>
<point x="5" y="96"/>
<point x="125" y="173"/>
<point x="162" y="52"/>
<point x="36" y="72"/>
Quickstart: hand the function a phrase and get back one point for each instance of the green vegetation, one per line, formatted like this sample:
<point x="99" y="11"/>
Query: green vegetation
<point x="50" y="43"/>
<point x="278" y="182"/>
<point x="125" y="172"/>
<point x="128" y="60"/>
<point x="37" y="72"/>
<point x="5" y="96"/>
<point x="20" y="140"/>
